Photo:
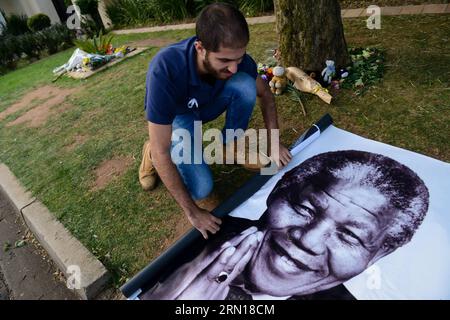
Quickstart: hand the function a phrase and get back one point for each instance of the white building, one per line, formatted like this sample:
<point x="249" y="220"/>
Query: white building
<point x="2" y="22"/>
<point x="56" y="10"/>
<point x="32" y="7"/>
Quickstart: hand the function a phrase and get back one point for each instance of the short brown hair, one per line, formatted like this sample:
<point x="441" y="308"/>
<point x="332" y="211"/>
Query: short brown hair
<point x="221" y="24"/>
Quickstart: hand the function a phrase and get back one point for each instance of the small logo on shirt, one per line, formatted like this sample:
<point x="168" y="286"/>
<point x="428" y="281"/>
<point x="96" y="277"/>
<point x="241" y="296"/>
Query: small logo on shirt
<point x="192" y="103"/>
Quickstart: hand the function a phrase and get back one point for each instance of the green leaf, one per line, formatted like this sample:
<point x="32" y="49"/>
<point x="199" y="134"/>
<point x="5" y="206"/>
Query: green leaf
<point x="95" y="45"/>
<point x="20" y="243"/>
<point x="366" y="54"/>
<point x="359" y="83"/>
<point x="85" y="45"/>
<point x="358" y="64"/>
<point x="6" y="246"/>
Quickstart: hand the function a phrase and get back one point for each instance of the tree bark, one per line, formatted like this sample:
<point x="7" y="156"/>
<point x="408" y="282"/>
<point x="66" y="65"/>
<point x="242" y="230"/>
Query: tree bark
<point x="310" y="32"/>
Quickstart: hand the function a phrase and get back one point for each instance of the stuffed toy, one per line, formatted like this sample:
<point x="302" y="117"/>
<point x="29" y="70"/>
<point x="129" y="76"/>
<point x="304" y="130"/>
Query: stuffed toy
<point x="279" y="80"/>
<point x="329" y="72"/>
<point x="343" y="73"/>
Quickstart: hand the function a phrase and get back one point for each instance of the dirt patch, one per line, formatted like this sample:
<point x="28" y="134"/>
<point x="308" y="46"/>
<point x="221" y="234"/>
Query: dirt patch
<point x="156" y="42"/>
<point x="109" y="170"/>
<point x="39" y="115"/>
<point x="49" y="100"/>
<point x="48" y="95"/>
<point x="78" y="140"/>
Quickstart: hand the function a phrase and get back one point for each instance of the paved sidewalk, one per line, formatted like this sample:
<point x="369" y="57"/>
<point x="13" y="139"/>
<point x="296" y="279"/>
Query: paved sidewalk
<point x="4" y="291"/>
<point x="65" y="251"/>
<point x="26" y="272"/>
<point x="346" y="13"/>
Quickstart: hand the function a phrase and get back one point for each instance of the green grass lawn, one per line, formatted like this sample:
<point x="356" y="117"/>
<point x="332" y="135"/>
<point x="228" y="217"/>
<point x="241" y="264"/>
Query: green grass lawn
<point x="125" y="227"/>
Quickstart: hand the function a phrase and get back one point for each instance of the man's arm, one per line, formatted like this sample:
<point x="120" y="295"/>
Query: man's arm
<point x="160" y="140"/>
<point x="269" y="111"/>
<point x="267" y="102"/>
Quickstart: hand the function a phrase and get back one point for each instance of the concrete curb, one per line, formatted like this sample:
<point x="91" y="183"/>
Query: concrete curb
<point x="13" y="189"/>
<point x="65" y="250"/>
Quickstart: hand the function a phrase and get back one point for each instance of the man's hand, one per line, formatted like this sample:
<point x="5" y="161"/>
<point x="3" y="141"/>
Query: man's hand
<point x="283" y="157"/>
<point x="269" y="112"/>
<point x="204" y="221"/>
<point x="160" y="146"/>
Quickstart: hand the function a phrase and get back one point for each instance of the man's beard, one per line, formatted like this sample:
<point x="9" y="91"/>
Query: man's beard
<point x="217" y="74"/>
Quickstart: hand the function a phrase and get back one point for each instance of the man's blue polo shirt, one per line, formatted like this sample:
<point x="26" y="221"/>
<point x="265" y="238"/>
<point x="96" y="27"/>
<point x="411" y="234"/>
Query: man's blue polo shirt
<point x="173" y="83"/>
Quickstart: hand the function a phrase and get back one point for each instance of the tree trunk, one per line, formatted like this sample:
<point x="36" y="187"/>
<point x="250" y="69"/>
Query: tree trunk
<point x="310" y="32"/>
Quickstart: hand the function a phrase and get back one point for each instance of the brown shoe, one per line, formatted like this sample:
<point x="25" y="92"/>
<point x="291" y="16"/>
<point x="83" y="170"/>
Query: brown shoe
<point x="148" y="177"/>
<point x="209" y="203"/>
<point x="249" y="158"/>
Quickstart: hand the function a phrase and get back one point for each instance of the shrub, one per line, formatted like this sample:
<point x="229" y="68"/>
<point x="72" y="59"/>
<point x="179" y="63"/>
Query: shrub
<point x="38" y="22"/>
<point x="90" y="27"/>
<point x="114" y="13"/>
<point x="55" y="38"/>
<point x="254" y="7"/>
<point x="130" y="12"/>
<point x="136" y="12"/>
<point x="195" y="6"/>
<point x="166" y="10"/>
<point x="66" y="35"/>
<point x="9" y="53"/>
<point x="30" y="44"/>
<point x="97" y="45"/>
<point x="87" y="6"/>
<point x="52" y="39"/>
<point x="16" y="24"/>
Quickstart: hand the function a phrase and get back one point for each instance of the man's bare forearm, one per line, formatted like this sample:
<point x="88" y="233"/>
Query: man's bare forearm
<point x="169" y="175"/>
<point x="269" y="111"/>
<point x="280" y="154"/>
<point x="160" y="140"/>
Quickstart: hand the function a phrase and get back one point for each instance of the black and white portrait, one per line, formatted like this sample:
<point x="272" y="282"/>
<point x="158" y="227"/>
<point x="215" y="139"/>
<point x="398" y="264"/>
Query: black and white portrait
<point x="327" y="220"/>
<point x="347" y="218"/>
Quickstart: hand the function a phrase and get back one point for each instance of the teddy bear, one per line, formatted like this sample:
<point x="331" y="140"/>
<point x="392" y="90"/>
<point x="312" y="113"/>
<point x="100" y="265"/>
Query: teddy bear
<point x="329" y="72"/>
<point x="279" y="80"/>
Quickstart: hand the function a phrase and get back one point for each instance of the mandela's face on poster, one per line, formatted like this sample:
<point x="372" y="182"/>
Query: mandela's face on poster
<point x="320" y="237"/>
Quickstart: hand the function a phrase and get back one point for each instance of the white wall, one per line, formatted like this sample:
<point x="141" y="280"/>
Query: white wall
<point x="43" y="6"/>
<point x="30" y="7"/>
<point x="2" y="23"/>
<point x="11" y="6"/>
